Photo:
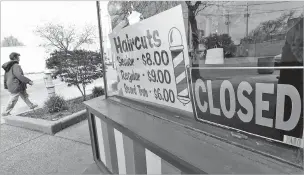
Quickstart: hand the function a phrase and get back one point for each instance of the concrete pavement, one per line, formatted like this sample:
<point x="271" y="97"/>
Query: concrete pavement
<point x="28" y="152"/>
<point x="24" y="151"/>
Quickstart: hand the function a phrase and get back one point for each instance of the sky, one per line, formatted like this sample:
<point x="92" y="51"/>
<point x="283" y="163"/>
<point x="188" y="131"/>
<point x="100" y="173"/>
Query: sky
<point x="20" y="18"/>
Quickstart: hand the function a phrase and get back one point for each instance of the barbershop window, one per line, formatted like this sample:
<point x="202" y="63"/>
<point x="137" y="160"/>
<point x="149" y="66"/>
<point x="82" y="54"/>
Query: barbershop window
<point x="242" y="66"/>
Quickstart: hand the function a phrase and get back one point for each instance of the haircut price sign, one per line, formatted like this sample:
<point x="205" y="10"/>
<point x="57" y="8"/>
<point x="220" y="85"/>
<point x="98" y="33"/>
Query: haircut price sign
<point x="152" y="57"/>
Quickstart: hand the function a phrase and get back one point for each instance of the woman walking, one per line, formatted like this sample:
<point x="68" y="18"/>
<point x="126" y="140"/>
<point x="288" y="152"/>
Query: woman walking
<point x="16" y="83"/>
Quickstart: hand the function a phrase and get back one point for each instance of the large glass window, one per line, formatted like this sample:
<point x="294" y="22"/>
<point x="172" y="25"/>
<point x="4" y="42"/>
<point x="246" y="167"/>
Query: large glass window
<point x="245" y="63"/>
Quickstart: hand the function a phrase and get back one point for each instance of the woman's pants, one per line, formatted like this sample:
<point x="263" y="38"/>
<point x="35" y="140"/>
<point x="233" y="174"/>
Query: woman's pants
<point x="13" y="100"/>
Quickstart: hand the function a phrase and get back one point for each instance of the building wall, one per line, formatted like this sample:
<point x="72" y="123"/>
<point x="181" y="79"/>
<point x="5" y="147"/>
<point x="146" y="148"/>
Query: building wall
<point x="270" y="48"/>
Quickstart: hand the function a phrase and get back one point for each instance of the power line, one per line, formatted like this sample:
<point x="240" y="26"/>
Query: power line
<point x="272" y="11"/>
<point x="243" y="8"/>
<point x="269" y="3"/>
<point x="260" y="12"/>
<point x="238" y="8"/>
<point x="244" y="5"/>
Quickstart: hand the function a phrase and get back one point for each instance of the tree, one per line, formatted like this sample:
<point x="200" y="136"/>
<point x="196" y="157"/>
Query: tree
<point x="74" y="66"/>
<point x="150" y="8"/>
<point x="221" y="41"/>
<point x="193" y="10"/>
<point x="11" y="41"/>
<point x="269" y="28"/>
<point x="120" y="10"/>
<point x="65" y="38"/>
<point x="78" y="68"/>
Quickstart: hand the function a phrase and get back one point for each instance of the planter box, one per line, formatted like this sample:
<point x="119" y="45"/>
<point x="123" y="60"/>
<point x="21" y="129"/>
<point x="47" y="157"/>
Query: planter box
<point x="45" y="126"/>
<point x="268" y="65"/>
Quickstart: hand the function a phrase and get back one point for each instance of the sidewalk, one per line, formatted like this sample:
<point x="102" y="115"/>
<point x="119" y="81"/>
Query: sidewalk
<point x="29" y="152"/>
<point x="69" y="151"/>
<point x="38" y="94"/>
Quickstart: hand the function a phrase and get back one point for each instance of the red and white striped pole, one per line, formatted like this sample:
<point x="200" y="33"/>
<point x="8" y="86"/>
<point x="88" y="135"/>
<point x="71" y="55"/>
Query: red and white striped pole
<point x="179" y="65"/>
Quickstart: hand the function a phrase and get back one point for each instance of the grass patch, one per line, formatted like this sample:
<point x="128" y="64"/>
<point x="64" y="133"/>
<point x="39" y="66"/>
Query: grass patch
<point x="74" y="105"/>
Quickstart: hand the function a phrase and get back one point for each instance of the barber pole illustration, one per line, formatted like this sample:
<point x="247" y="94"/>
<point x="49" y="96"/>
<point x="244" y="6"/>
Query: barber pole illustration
<point x="179" y="65"/>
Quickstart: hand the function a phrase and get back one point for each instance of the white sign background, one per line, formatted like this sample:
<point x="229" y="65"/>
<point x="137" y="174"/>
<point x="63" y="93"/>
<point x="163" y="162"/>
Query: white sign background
<point x="163" y="23"/>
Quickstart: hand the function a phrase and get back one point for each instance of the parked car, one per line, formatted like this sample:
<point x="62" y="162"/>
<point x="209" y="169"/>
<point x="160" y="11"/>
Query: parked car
<point x="277" y="60"/>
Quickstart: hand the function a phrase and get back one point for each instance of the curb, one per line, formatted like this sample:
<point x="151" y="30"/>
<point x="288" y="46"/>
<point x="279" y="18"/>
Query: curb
<point x="45" y="126"/>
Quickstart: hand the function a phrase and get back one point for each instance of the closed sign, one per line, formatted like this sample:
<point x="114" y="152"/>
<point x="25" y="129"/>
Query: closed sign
<point x="249" y="102"/>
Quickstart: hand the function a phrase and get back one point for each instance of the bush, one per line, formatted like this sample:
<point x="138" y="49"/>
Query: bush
<point x="86" y="66"/>
<point x="97" y="91"/>
<point x="221" y="41"/>
<point x="56" y="103"/>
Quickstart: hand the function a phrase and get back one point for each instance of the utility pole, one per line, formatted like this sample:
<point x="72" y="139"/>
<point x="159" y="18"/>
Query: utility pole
<point x="218" y="17"/>
<point x="110" y="31"/>
<point x="247" y="19"/>
<point x="227" y="23"/>
<point x="101" y="50"/>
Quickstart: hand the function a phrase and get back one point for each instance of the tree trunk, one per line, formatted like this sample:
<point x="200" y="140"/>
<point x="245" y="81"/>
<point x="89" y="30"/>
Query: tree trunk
<point x="84" y="93"/>
<point x="193" y="25"/>
<point x="195" y="40"/>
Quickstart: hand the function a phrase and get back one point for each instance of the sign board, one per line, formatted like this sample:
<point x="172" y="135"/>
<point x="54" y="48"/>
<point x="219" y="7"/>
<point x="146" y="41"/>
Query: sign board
<point x="152" y="57"/>
<point x="215" y="56"/>
<point x="242" y="100"/>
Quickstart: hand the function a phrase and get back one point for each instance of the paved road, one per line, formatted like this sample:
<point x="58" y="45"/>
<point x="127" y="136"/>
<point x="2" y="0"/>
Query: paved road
<point x="38" y="92"/>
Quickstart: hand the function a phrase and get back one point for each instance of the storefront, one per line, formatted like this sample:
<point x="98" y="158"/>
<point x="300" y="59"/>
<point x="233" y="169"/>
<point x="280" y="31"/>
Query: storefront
<point x="162" y="115"/>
